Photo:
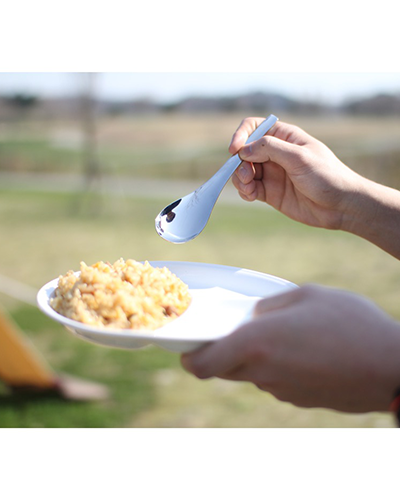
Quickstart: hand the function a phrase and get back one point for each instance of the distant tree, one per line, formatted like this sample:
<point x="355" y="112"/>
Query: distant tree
<point x="169" y="107"/>
<point x="22" y="101"/>
<point x="228" y="104"/>
<point x="380" y="104"/>
<point x="19" y="106"/>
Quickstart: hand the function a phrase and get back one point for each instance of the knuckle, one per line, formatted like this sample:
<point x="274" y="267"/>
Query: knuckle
<point x="265" y="140"/>
<point x="245" y="197"/>
<point x="304" y="156"/>
<point x="296" y="130"/>
<point x="236" y="181"/>
<point x="248" y="189"/>
<point x="262" y="145"/>
<point x="257" y="354"/>
<point x="245" y="125"/>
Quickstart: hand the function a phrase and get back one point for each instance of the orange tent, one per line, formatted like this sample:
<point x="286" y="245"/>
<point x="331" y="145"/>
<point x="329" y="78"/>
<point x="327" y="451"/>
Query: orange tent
<point x="22" y="368"/>
<point x="20" y="364"/>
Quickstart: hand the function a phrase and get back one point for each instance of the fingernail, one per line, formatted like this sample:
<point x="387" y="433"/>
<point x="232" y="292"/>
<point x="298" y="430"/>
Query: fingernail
<point x="242" y="172"/>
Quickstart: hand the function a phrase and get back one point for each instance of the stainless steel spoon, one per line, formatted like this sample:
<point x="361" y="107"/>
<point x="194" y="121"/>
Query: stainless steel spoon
<point x="184" y="219"/>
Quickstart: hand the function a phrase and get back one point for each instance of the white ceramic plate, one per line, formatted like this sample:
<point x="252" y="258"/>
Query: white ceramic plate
<point x="222" y="299"/>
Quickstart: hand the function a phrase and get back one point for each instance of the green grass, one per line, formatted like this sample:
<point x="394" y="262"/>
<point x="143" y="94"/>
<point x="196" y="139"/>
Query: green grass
<point x="127" y="374"/>
<point x="48" y="148"/>
<point x="44" y="235"/>
<point x="37" y="155"/>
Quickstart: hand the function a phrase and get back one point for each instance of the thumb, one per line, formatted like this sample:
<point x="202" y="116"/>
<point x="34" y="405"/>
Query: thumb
<point x="281" y="300"/>
<point x="270" y="148"/>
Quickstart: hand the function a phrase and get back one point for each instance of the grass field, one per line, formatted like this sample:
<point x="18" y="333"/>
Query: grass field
<point x="181" y="146"/>
<point x="44" y="234"/>
<point x="42" y="237"/>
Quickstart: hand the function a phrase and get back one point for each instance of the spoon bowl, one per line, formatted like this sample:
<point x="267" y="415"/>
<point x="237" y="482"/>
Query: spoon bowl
<point x="185" y="218"/>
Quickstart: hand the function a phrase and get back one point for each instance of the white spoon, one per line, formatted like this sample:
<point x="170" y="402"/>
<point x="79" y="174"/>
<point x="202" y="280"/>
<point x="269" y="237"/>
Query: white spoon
<point x="184" y="219"/>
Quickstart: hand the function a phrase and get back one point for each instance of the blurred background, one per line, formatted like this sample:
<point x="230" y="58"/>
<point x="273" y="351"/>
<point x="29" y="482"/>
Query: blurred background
<point x="87" y="160"/>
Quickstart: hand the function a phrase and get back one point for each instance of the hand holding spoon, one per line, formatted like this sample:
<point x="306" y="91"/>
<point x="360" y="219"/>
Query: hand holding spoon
<point x="184" y="219"/>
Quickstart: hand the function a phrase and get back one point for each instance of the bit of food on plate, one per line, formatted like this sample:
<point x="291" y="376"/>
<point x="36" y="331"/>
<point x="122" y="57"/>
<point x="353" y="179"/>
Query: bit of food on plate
<point x="127" y="295"/>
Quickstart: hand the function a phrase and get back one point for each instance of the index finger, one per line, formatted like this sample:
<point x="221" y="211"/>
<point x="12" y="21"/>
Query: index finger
<point x="243" y="347"/>
<point x="243" y="132"/>
<point x="215" y="358"/>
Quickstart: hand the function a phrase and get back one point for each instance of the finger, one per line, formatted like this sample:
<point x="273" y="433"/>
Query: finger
<point x="248" y="171"/>
<point x="217" y="358"/>
<point x="258" y="171"/>
<point x="243" y="132"/>
<point x="249" y="197"/>
<point x="249" y="191"/>
<point x="245" y="172"/>
<point x="270" y="148"/>
<point x="284" y="300"/>
<point x="290" y="133"/>
<point x="281" y="130"/>
<point x="240" y="355"/>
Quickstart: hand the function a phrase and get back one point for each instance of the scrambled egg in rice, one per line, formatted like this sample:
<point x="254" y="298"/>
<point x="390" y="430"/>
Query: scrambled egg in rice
<point x="123" y="295"/>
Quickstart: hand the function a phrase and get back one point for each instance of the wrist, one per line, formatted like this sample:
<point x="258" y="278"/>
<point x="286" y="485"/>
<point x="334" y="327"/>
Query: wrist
<point x="373" y="213"/>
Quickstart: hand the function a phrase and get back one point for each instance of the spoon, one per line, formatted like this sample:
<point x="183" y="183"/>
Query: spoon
<point x="184" y="219"/>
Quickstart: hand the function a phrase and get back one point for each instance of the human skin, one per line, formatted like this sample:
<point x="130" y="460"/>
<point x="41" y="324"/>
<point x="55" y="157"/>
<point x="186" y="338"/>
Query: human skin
<point x="314" y="346"/>
<point x="301" y="177"/>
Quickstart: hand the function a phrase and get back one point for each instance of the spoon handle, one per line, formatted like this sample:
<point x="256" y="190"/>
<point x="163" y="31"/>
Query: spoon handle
<point x="217" y="182"/>
<point x="262" y="129"/>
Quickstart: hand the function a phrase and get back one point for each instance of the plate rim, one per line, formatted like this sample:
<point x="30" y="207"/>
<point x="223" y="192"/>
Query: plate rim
<point x="43" y="296"/>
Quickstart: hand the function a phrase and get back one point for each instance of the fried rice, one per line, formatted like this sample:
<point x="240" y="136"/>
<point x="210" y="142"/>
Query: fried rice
<point x="127" y="295"/>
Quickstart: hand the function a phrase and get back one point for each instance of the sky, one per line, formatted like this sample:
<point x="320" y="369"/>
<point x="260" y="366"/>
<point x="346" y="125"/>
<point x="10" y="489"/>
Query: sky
<point x="326" y="87"/>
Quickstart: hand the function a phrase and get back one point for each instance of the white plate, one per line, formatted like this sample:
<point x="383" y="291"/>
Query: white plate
<point x="222" y="299"/>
